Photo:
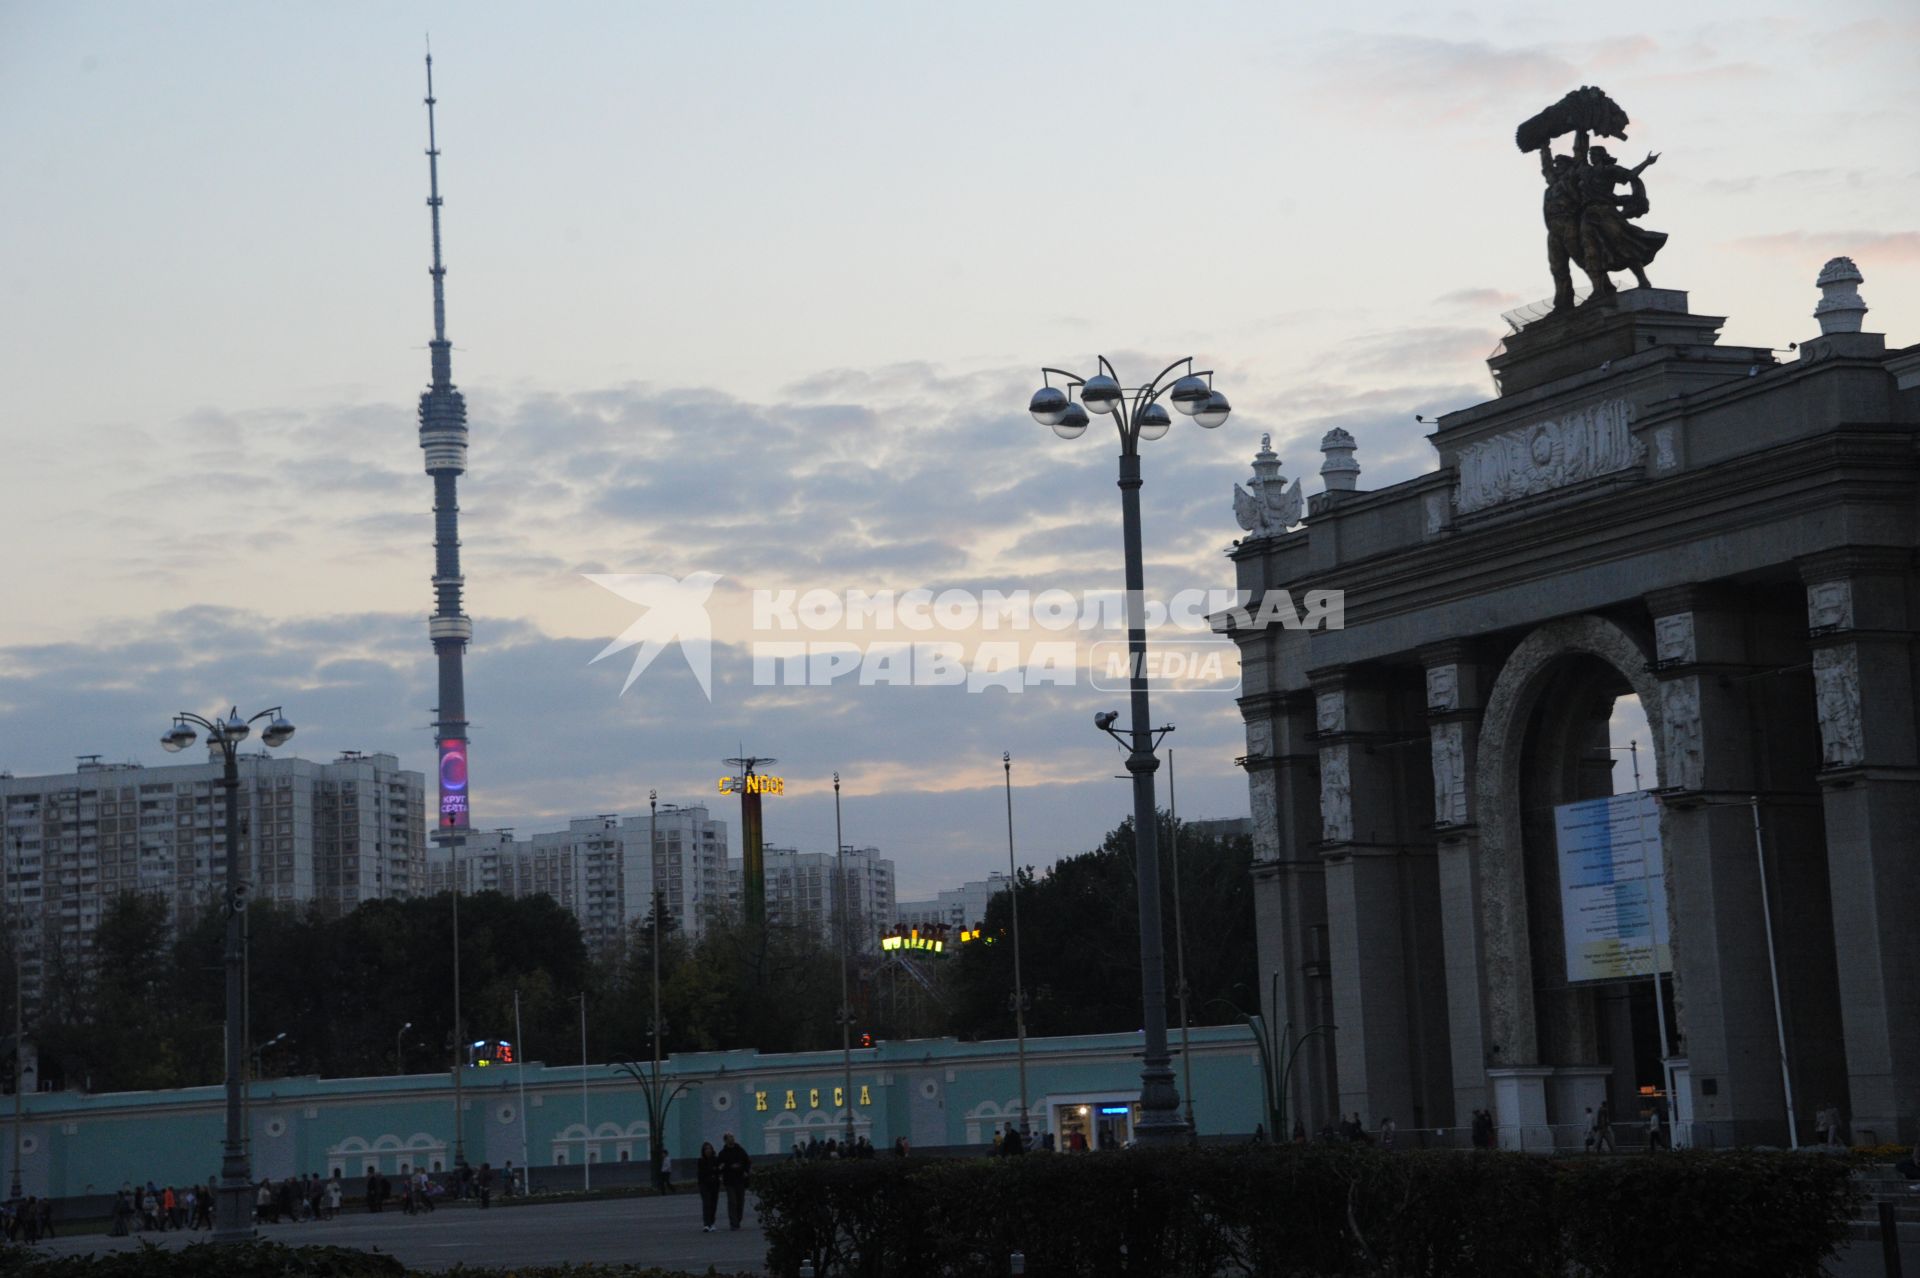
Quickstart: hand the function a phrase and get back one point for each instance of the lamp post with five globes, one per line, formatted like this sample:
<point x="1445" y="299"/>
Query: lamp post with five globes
<point x="233" y="1204"/>
<point x="1139" y="415"/>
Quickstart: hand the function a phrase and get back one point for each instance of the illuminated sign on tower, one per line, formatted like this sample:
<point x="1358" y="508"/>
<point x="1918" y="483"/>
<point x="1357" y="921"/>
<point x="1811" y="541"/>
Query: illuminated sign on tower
<point x="453" y="784"/>
<point x="753" y="860"/>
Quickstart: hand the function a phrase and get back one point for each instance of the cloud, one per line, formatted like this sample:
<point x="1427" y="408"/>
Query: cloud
<point x="554" y="740"/>
<point x="1417" y="348"/>
<point x="1478" y="299"/>
<point x="1864" y="247"/>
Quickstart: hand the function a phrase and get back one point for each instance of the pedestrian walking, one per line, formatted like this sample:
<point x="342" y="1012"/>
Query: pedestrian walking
<point x="1387" y="1130"/>
<point x="1656" y="1139"/>
<point x="734" y="1166"/>
<point x="706" y="1174"/>
<point x="485" y="1181"/>
<point x="662" y="1169"/>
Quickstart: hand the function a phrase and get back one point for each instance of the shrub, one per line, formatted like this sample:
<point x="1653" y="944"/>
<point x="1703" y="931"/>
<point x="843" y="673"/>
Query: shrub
<point x="1690" y="1213"/>
<point x="209" y="1260"/>
<point x="1307" y="1212"/>
<point x="273" y="1260"/>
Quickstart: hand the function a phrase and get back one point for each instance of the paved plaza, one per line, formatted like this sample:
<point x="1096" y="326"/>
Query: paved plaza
<point x="644" y="1231"/>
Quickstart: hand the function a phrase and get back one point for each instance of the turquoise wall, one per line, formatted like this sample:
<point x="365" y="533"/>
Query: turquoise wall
<point x="935" y="1092"/>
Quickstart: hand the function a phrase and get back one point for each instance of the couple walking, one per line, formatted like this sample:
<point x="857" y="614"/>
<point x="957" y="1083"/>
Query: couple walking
<point x="723" y="1169"/>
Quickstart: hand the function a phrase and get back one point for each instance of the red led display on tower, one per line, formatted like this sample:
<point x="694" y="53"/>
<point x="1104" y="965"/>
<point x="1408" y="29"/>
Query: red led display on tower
<point x="453" y="784"/>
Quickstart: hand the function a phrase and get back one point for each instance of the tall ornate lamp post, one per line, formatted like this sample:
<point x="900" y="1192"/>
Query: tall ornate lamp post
<point x="1138" y="416"/>
<point x="1019" y="999"/>
<point x="19" y="1014"/>
<point x="846" y="1001"/>
<point x="233" y="1204"/>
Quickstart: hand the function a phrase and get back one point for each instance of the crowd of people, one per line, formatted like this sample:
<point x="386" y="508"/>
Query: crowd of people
<point x="152" y="1208"/>
<point x="27" y="1219"/>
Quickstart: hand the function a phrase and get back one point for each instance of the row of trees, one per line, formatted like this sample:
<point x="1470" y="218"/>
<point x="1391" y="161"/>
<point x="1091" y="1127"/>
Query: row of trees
<point x="329" y="995"/>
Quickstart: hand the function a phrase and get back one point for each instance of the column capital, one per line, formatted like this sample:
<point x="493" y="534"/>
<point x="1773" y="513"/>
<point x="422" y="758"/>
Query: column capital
<point x="1456" y="678"/>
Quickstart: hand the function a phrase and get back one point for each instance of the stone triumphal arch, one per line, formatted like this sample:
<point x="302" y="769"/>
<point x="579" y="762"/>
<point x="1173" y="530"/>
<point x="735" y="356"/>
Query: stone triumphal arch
<point x="1639" y="512"/>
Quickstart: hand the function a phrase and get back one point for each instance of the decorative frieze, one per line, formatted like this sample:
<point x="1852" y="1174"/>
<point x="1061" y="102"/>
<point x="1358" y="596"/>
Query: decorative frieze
<point x="1449" y="773"/>
<point x="1680" y="756"/>
<point x="1666" y="456"/>
<point x="1585" y="443"/>
<point x="1830" y="605"/>
<point x="1330" y="712"/>
<point x="1836" y="693"/>
<point x="1673" y="639"/>
<point x="1336" y="795"/>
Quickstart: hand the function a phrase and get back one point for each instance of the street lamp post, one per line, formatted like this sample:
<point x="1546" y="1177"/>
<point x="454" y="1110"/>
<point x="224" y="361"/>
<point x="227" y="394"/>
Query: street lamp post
<point x="400" y="1048"/>
<point x="1019" y="990"/>
<point x="1137" y="417"/>
<point x="233" y="1203"/>
<point x="846" y="1002"/>
<point x="1179" y="943"/>
<point x="654" y="1121"/>
<point x="586" y="1128"/>
<point x="260" y="1052"/>
<point x="19" y="1015"/>
<point x="653" y="873"/>
<point x="453" y="844"/>
<point x="1278" y="1050"/>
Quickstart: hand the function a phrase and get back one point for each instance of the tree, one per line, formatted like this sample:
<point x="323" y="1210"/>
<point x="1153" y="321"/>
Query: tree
<point x="1080" y="940"/>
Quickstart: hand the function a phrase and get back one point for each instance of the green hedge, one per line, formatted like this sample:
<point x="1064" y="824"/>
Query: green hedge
<point x="272" y="1260"/>
<point x="1307" y="1212"/>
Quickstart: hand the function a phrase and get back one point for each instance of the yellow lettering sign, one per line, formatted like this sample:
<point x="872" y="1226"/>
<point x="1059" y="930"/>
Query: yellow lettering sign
<point x="839" y="1098"/>
<point x="790" y="1101"/>
<point x="813" y="1098"/>
<point x="760" y="1102"/>
<point x="726" y="785"/>
<point x="866" y="1097"/>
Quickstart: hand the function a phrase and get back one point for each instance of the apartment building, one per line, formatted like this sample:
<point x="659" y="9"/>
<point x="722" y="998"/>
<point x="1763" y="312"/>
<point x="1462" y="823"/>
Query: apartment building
<point x="333" y="834"/>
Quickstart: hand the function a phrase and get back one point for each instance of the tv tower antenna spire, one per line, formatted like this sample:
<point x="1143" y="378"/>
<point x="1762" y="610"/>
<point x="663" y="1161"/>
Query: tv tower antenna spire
<point x="443" y="438"/>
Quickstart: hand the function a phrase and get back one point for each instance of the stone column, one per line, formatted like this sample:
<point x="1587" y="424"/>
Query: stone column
<point x="1456" y="695"/>
<point x="1861" y="618"/>
<point x="1709" y="688"/>
<point x="1389" y="996"/>
<point x="1289" y="891"/>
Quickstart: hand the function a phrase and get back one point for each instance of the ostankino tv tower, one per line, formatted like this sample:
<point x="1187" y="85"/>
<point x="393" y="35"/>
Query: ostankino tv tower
<point x="443" y="435"/>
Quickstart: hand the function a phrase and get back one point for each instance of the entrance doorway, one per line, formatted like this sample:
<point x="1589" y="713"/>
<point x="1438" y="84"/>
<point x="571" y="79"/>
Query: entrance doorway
<point x="1082" y="1126"/>
<point x="1605" y="1034"/>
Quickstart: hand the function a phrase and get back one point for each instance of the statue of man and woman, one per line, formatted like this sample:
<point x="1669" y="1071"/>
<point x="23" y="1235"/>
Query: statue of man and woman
<point x="1589" y="221"/>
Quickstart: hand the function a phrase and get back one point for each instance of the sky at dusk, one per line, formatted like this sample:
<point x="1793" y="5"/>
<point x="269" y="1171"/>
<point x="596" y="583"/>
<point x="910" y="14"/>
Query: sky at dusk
<point x="761" y="291"/>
